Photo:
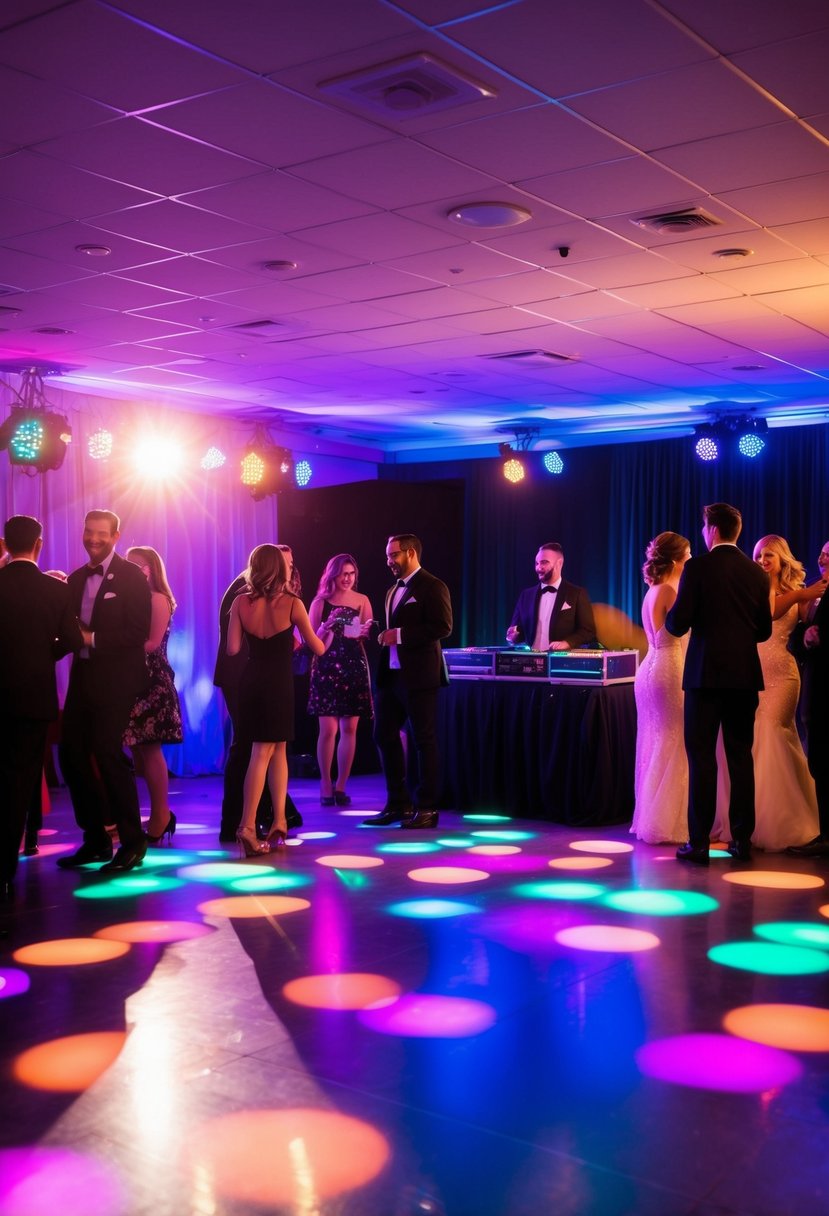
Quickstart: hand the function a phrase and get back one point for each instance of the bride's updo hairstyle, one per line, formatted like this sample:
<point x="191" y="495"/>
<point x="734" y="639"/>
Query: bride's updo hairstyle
<point x="792" y="572"/>
<point x="660" y="555"/>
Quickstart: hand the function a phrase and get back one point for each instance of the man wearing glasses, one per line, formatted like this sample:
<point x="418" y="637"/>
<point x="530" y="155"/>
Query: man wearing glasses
<point x="410" y="674"/>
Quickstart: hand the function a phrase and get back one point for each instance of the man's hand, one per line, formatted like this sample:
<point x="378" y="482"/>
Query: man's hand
<point x="559" y="646"/>
<point x="811" y="637"/>
<point x="87" y="635"/>
<point x="387" y="637"/>
<point x="514" y="635"/>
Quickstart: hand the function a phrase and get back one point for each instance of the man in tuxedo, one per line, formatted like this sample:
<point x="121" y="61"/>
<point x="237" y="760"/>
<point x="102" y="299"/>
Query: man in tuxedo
<point x="226" y="676"/>
<point x="36" y="623"/>
<point x="553" y="615"/>
<point x="814" y="651"/>
<point x="111" y="599"/>
<point x="410" y="674"/>
<point x="724" y="599"/>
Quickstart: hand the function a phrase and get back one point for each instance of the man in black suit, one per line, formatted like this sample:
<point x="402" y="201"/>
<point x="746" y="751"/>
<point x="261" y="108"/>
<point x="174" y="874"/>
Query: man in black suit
<point x="111" y="599"/>
<point x="724" y="599"/>
<point x="409" y="677"/>
<point x="36" y="623"/>
<point x="226" y="676"/>
<point x="814" y="652"/>
<point x="554" y="615"/>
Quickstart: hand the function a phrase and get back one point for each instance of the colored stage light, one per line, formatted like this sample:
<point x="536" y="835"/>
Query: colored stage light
<point x="488" y="818"/>
<point x="423" y="1016"/>
<point x="495" y="850"/>
<point x="35" y="438"/>
<point x="553" y="463"/>
<point x="750" y="445"/>
<point x="343" y="990"/>
<point x="601" y="846"/>
<point x="560" y="890"/>
<point x="661" y="903"/>
<point x="612" y="939"/>
<point x="128" y="887"/>
<point x="431" y="909"/>
<point x="157" y="457"/>
<point x="349" y="861"/>
<point x="69" y="952"/>
<point x="789" y="1027"/>
<point x="270" y="880"/>
<point x="795" y="933"/>
<point x="253" y="469"/>
<point x="303" y="473"/>
<point x="289" y="1159"/>
<point x="213" y="458"/>
<point x="447" y="874"/>
<point x="766" y="959"/>
<point x="779" y="879"/>
<point x="154" y="931"/>
<point x="13" y="982"/>
<point x="719" y="1062"/>
<point x="502" y="834"/>
<point x="580" y="863"/>
<point x="706" y="443"/>
<point x="68" y="1065"/>
<point x="35" y="1180"/>
<point x="409" y="846"/>
<point x="217" y="872"/>
<point x="514" y="471"/>
<point x="315" y="835"/>
<point x="266" y="469"/>
<point x="455" y="842"/>
<point x="99" y="444"/>
<point x="251" y="907"/>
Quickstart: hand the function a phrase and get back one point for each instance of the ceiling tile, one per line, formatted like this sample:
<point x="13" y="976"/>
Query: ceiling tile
<point x="812" y="236"/>
<point x="33" y="110"/>
<point x="62" y="242"/>
<point x="278" y="202"/>
<point x="748" y="158"/>
<point x="775" y="276"/>
<point x="801" y="198"/>
<point x="458" y="263"/>
<point x="18" y="218"/>
<point x="740" y="24"/>
<point x="177" y="226"/>
<point x="191" y="276"/>
<point x="633" y="184"/>
<point x="381" y="237"/>
<point x="24" y="272"/>
<point x="793" y="70"/>
<point x="72" y="193"/>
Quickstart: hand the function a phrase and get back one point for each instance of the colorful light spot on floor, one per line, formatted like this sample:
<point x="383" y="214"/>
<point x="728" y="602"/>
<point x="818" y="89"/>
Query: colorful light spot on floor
<point x="790" y="1027"/>
<point x="345" y="990"/>
<point x="46" y="850"/>
<point x="13" y="982"/>
<point x="774" y="878"/>
<point x="560" y="890"/>
<point x="601" y="846"/>
<point x="456" y="842"/>
<point x="661" y="902"/>
<point x="824" y="910"/>
<point x="68" y="1065"/>
<point x="447" y="874"/>
<point x="719" y="1062"/>
<point x="422" y="1016"/>
<point x="580" y="863"/>
<point x="287" y="1159"/>
<point x="352" y="814"/>
<point x="349" y="861"/>
<point x="69" y="952"/>
<point x="767" y="959"/>
<point x="160" y="858"/>
<point x="218" y="872"/>
<point x="495" y="850"/>
<point x="154" y="931"/>
<point x="611" y="938"/>
<point x="476" y="818"/>
<point x="35" y="1181"/>
<point x="409" y="846"/>
<point x="248" y="907"/>
<point x="270" y="880"/>
<point x="431" y="909"/>
<point x="795" y="933"/>
<point x="315" y="835"/>
<point x="486" y="834"/>
<point x="128" y="886"/>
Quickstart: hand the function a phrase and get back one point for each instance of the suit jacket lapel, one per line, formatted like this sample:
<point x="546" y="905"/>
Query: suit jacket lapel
<point x="408" y="592"/>
<point x="554" y="615"/>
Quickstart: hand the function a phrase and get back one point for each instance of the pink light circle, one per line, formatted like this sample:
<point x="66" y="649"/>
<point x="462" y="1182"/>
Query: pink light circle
<point x="34" y="1181"/>
<point x="613" y="939"/>
<point x="447" y="875"/>
<point x="580" y="863"/>
<point x="718" y="1061"/>
<point x="349" y="861"/>
<point x="601" y="846"/>
<point x="494" y="850"/>
<point x="423" y="1016"/>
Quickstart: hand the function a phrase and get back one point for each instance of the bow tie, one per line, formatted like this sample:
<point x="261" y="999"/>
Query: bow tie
<point x="401" y="582"/>
<point x="90" y="570"/>
<point x="551" y="590"/>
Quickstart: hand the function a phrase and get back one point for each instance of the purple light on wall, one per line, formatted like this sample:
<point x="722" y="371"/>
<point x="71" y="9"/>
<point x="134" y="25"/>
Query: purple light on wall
<point x="716" y="1061"/>
<point x="13" y="982"/>
<point x="422" y="1016"/>
<point x="38" y="1180"/>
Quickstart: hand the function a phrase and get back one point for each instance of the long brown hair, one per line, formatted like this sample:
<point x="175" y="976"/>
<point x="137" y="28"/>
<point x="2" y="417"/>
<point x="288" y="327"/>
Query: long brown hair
<point x="154" y="562"/>
<point x="332" y="572"/>
<point x="267" y="573"/>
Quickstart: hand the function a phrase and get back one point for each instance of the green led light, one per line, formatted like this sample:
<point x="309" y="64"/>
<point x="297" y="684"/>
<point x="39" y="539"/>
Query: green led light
<point x="661" y="903"/>
<point x="503" y="834"/>
<point x="27" y="441"/>
<point x="769" y="960"/>
<point x="488" y="818"/>
<point x="560" y="890"/>
<point x="409" y="846"/>
<point x="456" y="842"/>
<point x="795" y="933"/>
<point x="270" y="881"/>
<point x="128" y="886"/>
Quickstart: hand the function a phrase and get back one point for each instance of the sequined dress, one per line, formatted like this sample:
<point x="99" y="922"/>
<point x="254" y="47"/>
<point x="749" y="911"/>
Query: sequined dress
<point x="661" y="781"/>
<point x="340" y="685"/>
<point x="784" y="800"/>
<point x="156" y="715"/>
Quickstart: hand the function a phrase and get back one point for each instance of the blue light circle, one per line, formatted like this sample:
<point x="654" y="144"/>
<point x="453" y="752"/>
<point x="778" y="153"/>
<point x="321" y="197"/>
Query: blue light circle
<point x="553" y="463"/>
<point x="750" y="445"/>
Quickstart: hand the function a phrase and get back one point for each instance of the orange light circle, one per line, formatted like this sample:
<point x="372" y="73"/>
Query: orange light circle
<point x="248" y="907"/>
<point x="824" y="910"/>
<point x="494" y="850"/>
<point x="447" y="874"/>
<point x="349" y="861"/>
<point x="791" y="1027"/>
<point x="153" y="931"/>
<point x="277" y="1158"/>
<point x="580" y="863"/>
<point x="781" y="880"/>
<point x="68" y="1065"/>
<point x="601" y="846"/>
<point x="342" y="990"/>
<point x="69" y="952"/>
<point x="610" y="938"/>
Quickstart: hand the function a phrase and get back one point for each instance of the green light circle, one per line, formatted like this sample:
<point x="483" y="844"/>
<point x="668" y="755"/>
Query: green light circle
<point x="661" y="902"/>
<point x="409" y="846"/>
<point x="128" y="887"/>
<point x="269" y="881"/>
<point x="503" y="834"/>
<point x="456" y="842"/>
<point x="795" y="933"/>
<point x="560" y="890"/>
<point x="488" y="818"/>
<point x="769" y="959"/>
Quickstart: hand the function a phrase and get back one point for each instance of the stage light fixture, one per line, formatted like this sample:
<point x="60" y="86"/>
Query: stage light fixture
<point x="706" y="445"/>
<point x="303" y="472"/>
<point x="213" y="458"/>
<point x="266" y="469"/>
<point x="750" y="443"/>
<point x="35" y="437"/>
<point x="99" y="444"/>
<point x="156" y="457"/>
<point x="511" y="467"/>
<point x="553" y="463"/>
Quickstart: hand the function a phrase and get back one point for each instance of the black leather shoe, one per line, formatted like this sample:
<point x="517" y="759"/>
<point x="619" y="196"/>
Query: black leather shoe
<point x="421" y="819"/>
<point x="815" y="848"/>
<point x="388" y="815"/>
<point x="294" y="818"/>
<point x="84" y="855"/>
<point x="740" y="850"/>
<point x="687" y="852"/>
<point x="124" y="859"/>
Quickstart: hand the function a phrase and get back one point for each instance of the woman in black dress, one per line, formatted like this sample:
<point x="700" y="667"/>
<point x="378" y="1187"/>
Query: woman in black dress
<point x="156" y="715"/>
<point x="340" y="691"/>
<point x="267" y="614"/>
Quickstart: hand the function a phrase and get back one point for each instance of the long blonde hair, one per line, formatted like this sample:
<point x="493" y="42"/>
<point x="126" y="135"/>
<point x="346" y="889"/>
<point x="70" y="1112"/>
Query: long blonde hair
<point x="154" y="562"/>
<point x="792" y="572"/>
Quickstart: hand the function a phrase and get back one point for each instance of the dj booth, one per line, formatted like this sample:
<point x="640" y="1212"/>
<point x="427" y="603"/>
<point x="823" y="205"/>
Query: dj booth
<point x="539" y="735"/>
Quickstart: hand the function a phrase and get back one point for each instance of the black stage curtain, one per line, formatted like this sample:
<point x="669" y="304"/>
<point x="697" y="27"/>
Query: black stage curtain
<point x="539" y="751"/>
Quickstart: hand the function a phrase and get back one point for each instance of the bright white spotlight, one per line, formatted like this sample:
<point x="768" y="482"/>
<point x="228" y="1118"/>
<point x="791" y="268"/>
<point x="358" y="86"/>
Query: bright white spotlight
<point x="553" y="463"/>
<point x="303" y="472"/>
<point x="213" y="459"/>
<point x="157" y="457"/>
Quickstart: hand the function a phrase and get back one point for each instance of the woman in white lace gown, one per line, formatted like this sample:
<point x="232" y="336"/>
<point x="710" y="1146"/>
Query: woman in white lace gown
<point x="661" y="783"/>
<point x="785" y="803"/>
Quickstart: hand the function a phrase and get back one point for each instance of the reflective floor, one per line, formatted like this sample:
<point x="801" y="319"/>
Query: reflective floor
<point x="498" y="1017"/>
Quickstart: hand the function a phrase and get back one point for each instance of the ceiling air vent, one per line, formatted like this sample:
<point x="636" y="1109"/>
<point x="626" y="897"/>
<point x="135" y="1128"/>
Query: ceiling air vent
<point x="533" y="358"/>
<point x="413" y="86"/>
<point x="258" y="329"/>
<point x="672" y="222"/>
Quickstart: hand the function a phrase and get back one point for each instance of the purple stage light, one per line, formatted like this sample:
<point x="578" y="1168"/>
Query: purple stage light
<point x="423" y="1016"/>
<point x="716" y="1061"/>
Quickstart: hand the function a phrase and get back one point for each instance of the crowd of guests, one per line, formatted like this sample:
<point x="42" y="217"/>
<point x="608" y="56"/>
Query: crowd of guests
<point x="719" y="756"/>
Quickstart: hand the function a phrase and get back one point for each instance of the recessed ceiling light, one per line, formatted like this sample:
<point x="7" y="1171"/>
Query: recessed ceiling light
<point x="279" y="265"/>
<point x="733" y="253"/>
<point x="489" y="215"/>
<point x="94" y="251"/>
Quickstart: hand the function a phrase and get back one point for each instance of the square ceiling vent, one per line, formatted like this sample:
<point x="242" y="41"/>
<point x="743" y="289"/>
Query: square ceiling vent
<point x="408" y="88"/>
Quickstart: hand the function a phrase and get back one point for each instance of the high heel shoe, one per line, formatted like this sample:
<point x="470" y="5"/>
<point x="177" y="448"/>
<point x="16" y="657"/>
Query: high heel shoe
<point x="277" y="837"/>
<point x="327" y="799"/>
<point x="168" y="831"/>
<point x="341" y="798"/>
<point x="249" y="844"/>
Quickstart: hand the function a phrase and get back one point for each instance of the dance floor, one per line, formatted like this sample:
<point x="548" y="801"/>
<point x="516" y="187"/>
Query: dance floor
<point x="498" y="1018"/>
